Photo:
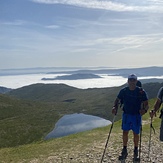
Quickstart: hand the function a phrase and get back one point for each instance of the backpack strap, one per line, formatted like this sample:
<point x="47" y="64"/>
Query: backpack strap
<point x="141" y="93"/>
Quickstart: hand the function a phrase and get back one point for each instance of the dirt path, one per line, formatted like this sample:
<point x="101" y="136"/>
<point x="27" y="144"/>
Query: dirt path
<point x="93" y="153"/>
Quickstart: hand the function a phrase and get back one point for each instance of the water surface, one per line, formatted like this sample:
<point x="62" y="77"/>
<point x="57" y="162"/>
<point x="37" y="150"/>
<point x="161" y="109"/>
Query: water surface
<point x="74" y="123"/>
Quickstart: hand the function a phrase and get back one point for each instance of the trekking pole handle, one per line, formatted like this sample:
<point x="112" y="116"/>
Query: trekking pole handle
<point x="152" y="113"/>
<point x="151" y="125"/>
<point x="115" y="106"/>
<point x="114" y="110"/>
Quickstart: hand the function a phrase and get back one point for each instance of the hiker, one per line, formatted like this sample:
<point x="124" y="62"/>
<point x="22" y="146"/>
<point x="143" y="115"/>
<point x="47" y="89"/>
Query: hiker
<point x="157" y="106"/>
<point x="135" y="104"/>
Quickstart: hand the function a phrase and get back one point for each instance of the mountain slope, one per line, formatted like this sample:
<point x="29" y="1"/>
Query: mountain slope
<point x="97" y="101"/>
<point x="31" y="117"/>
<point x="61" y="92"/>
<point x="152" y="88"/>
<point x="42" y="92"/>
<point x="87" y="147"/>
<point x="94" y="101"/>
<point x="23" y="122"/>
<point x="40" y="106"/>
<point x="4" y="89"/>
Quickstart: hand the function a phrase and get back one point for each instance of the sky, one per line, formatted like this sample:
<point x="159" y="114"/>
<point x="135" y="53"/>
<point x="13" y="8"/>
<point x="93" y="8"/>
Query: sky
<point x="81" y="33"/>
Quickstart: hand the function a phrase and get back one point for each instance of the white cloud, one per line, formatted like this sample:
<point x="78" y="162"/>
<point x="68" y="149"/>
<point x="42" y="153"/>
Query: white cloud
<point x="52" y="26"/>
<point x="130" y="41"/>
<point x="14" y="23"/>
<point x="72" y="36"/>
<point x="149" y="5"/>
<point x="156" y="2"/>
<point x="138" y="39"/>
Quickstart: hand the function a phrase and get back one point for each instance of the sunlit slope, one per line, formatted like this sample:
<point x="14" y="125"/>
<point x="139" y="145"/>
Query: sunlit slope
<point x="96" y="101"/>
<point x="23" y="122"/>
<point x="28" y="114"/>
<point x="86" y="146"/>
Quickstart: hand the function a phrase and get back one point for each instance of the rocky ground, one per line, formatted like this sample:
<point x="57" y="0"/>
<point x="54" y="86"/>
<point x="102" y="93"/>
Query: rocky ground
<point x="93" y="153"/>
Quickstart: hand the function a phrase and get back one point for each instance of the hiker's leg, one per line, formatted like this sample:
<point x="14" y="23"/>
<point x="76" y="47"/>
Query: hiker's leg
<point x="136" y="139"/>
<point x="125" y="128"/>
<point x="136" y="142"/>
<point x="136" y="127"/>
<point x="125" y="138"/>
<point x="124" y="149"/>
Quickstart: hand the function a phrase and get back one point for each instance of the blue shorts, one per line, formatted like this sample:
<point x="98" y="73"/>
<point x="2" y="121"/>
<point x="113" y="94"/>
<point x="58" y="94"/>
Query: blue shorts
<point x="131" y="122"/>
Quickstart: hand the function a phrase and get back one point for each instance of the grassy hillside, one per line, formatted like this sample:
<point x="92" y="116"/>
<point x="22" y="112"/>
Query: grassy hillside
<point x="152" y="89"/>
<point x="29" y="113"/>
<point x="23" y="122"/>
<point x="86" y="147"/>
<point x="97" y="101"/>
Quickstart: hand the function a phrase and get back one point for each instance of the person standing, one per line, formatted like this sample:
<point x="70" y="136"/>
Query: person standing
<point x="157" y="106"/>
<point x="135" y="104"/>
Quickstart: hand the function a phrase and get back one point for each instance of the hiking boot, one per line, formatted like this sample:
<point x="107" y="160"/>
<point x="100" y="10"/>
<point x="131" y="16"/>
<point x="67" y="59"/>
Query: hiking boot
<point x="135" y="153"/>
<point x="123" y="154"/>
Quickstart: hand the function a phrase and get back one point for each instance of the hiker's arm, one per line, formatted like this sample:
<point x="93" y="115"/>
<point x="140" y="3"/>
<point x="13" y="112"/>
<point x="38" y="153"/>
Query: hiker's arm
<point x="157" y="105"/>
<point x="115" y="106"/>
<point x="145" y="108"/>
<point x="155" y="108"/>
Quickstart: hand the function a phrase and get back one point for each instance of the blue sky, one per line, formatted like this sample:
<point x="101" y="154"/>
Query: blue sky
<point x="81" y="33"/>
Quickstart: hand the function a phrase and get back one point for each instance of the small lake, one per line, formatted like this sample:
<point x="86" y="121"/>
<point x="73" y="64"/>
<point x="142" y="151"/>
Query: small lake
<point x="74" y="123"/>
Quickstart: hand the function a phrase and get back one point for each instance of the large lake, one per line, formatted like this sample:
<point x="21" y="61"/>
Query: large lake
<point x="74" y="123"/>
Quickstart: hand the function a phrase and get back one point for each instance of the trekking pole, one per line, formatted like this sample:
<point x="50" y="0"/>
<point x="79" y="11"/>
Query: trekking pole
<point x="151" y="127"/>
<point x="140" y="142"/>
<point x="108" y="136"/>
<point x="140" y="139"/>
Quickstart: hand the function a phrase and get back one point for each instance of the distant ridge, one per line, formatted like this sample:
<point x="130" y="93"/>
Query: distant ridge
<point x="63" y="92"/>
<point x="4" y="89"/>
<point x="147" y="71"/>
<point x="74" y="77"/>
<point x="43" y="92"/>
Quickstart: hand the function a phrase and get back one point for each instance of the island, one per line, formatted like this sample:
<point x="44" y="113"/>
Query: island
<point x="74" y="77"/>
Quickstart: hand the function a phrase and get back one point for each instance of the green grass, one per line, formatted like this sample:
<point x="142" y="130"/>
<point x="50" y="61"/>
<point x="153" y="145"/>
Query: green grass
<point x="43" y="149"/>
<point x="31" y="117"/>
<point x="66" y="146"/>
<point x="25" y="123"/>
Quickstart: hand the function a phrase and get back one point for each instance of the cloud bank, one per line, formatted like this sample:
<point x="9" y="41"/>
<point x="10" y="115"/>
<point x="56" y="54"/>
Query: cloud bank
<point x="142" y="6"/>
